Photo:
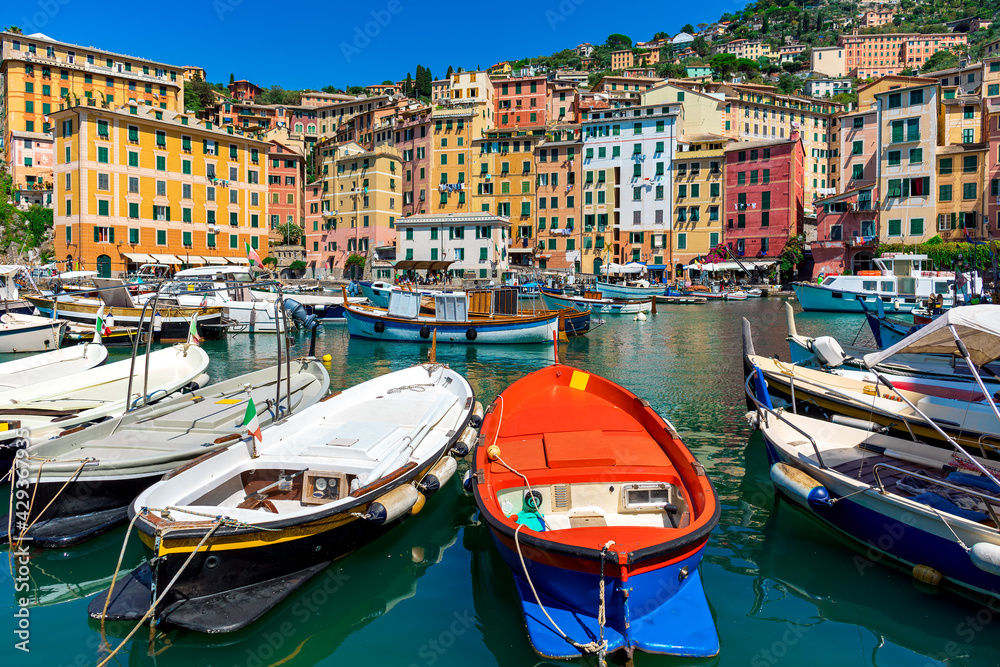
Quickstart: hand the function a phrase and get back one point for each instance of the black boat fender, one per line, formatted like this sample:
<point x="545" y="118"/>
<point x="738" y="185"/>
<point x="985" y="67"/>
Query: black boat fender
<point x="379" y="326"/>
<point x="425" y="332"/>
<point x="438" y="475"/>
<point x="393" y="505"/>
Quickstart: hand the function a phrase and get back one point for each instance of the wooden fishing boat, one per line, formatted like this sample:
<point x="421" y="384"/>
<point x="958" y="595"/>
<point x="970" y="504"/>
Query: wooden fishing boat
<point x="173" y="321"/>
<point x="44" y="410"/>
<point x="595" y="303"/>
<point x="236" y="531"/>
<point x="737" y="295"/>
<point x="927" y="509"/>
<point x="873" y="401"/>
<point x="464" y="318"/>
<point x="600" y="512"/>
<point x="51" y="365"/>
<point x="81" y="483"/>
<point x="711" y="296"/>
<point x="639" y="289"/>
<point x="30" y="333"/>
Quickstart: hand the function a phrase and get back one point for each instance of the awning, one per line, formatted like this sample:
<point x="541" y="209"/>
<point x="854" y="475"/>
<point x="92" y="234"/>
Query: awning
<point x="140" y="257"/>
<point x="520" y="251"/>
<point x="733" y="266"/>
<point x="977" y="326"/>
<point x="238" y="260"/>
<point x="422" y="265"/>
<point x="165" y="259"/>
<point x="656" y="267"/>
<point x="193" y="259"/>
<point x="216" y="260"/>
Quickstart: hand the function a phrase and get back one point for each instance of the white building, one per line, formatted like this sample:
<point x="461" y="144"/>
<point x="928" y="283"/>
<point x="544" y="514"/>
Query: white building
<point x="475" y="243"/>
<point x="638" y="144"/>
<point x="472" y="87"/>
<point x="682" y="39"/>
<point x="828" y="60"/>
<point x="827" y="87"/>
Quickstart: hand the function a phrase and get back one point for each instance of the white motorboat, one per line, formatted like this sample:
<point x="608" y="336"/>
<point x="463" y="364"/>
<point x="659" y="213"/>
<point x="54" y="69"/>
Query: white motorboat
<point x="46" y="366"/>
<point x="30" y="333"/>
<point x="258" y="519"/>
<point x="73" y="502"/>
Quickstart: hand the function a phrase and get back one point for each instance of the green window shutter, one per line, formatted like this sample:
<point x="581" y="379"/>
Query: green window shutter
<point x="103" y="208"/>
<point x="133" y="212"/>
<point x="97" y="234"/>
<point x="133" y="235"/>
<point x="186" y="216"/>
<point x="483" y="254"/>
<point x="186" y="238"/>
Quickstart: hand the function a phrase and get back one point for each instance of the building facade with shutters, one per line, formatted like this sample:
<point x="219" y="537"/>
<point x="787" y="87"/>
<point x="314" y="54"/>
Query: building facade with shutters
<point x="138" y="184"/>
<point x="474" y="243"/>
<point x="699" y="200"/>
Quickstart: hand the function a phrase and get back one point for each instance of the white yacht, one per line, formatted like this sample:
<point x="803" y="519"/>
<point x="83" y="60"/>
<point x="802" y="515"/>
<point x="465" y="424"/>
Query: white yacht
<point x="900" y="282"/>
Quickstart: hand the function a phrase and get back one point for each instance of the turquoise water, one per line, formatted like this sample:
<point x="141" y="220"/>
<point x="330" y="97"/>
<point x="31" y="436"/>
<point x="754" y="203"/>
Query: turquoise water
<point x="434" y="591"/>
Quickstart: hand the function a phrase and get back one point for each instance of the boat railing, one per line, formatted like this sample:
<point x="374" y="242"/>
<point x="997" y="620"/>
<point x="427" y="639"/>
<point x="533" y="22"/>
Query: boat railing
<point x="777" y="415"/>
<point x="987" y="499"/>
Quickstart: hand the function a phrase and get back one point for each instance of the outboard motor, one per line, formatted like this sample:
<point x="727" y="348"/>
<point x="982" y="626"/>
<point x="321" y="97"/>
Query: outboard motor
<point x="308" y="322"/>
<point x="828" y="351"/>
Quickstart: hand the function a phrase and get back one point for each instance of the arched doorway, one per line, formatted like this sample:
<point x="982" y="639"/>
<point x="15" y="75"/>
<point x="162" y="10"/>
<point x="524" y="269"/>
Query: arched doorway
<point x="104" y="266"/>
<point x="862" y="262"/>
<point x="597" y="266"/>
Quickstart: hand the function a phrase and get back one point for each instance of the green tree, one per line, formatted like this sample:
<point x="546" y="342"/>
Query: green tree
<point x="792" y="256"/>
<point x="39" y="221"/>
<point x="617" y="42"/>
<point x="232" y="79"/>
<point x="701" y="47"/>
<point x="451" y="71"/>
<point x="747" y="67"/>
<point x="290" y="233"/>
<point x="724" y="65"/>
<point x="688" y="28"/>
<point x="939" y="61"/>
<point x="788" y="84"/>
<point x="408" y="85"/>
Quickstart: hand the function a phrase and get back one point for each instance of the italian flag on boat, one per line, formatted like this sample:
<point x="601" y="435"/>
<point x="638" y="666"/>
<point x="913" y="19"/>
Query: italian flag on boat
<point x="193" y="337"/>
<point x="101" y="328"/>
<point x="250" y="421"/>
<point x="253" y="256"/>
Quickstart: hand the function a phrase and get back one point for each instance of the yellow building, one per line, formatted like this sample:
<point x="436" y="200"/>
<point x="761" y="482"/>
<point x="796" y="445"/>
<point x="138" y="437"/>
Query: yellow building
<point x="698" y="196"/>
<point x="41" y="76"/>
<point x="361" y="200"/>
<point x="136" y="184"/>
<point x="453" y="130"/>
<point x="961" y="175"/>
<point x="504" y="175"/>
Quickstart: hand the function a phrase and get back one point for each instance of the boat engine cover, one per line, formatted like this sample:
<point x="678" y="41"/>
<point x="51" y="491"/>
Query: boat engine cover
<point x="829" y="351"/>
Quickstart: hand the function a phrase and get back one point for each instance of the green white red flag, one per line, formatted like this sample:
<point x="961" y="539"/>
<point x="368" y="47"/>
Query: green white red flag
<point x="250" y="421"/>
<point x="253" y="256"/>
<point x="193" y="337"/>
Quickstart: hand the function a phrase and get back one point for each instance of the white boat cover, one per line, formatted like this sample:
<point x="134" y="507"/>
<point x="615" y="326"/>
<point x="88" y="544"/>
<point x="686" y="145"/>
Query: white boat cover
<point x="977" y="326"/>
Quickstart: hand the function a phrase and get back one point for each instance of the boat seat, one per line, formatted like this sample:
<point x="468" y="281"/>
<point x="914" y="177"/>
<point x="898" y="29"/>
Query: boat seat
<point x="531" y="421"/>
<point x="521" y="453"/>
<point x="592" y="449"/>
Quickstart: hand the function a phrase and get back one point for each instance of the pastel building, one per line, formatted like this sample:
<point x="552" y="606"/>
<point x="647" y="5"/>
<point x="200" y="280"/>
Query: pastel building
<point x="286" y="171"/>
<point x="521" y="102"/>
<point x="699" y="207"/>
<point x="137" y="184"/>
<point x="413" y="139"/>
<point x="566" y="226"/>
<point x="829" y="60"/>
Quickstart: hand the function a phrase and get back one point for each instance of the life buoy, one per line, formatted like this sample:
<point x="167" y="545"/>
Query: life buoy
<point x="379" y="326"/>
<point x="471" y="334"/>
<point x="425" y="332"/>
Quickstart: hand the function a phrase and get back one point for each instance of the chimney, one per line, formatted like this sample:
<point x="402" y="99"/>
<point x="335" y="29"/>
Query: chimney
<point x="794" y="136"/>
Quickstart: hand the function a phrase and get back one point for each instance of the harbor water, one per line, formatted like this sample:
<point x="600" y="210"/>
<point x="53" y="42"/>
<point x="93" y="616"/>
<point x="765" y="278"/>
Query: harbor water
<point x="783" y="590"/>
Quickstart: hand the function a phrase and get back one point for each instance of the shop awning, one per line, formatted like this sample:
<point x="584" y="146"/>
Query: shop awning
<point x="520" y="251"/>
<point x="422" y="265"/>
<point x="139" y="257"/>
<point x="193" y="259"/>
<point x="215" y="260"/>
<point x="238" y="260"/>
<point x="656" y="267"/>
<point x="733" y="266"/>
<point x="165" y="259"/>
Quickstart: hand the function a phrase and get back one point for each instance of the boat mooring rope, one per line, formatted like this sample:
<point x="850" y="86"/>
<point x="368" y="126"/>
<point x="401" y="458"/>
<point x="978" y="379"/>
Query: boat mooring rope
<point x="159" y="598"/>
<point x="38" y="479"/>
<point x="599" y="647"/>
<point x="225" y="520"/>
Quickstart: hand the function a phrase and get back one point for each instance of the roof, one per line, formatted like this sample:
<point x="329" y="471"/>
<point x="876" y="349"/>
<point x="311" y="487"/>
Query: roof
<point x="42" y="37"/>
<point x="743" y="145"/>
<point x="451" y="218"/>
<point x="962" y="148"/>
<point x="703" y="138"/>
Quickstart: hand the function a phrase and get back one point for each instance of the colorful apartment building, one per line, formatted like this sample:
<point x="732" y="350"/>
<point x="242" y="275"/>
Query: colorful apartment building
<point x="315" y="243"/>
<point x="453" y="131"/>
<point x="473" y="88"/>
<point x="440" y="91"/>
<point x="136" y="184"/>
<point x="413" y="139"/>
<point x="764" y="195"/>
<point x="500" y="70"/>
<point x="566" y="229"/>
<point x="872" y="56"/>
<point x="562" y="104"/>
<point x="315" y="98"/>
<point x="622" y="59"/>
<point x="40" y="76"/>
<point x="961" y="205"/>
<point x="244" y="91"/>
<point x="624" y="90"/>
<point x="991" y="122"/>
<point x="521" y="102"/>
<point x="910" y="131"/>
<point x="829" y="60"/>
<point x="286" y="172"/>
<point x="361" y="200"/>
<point x="876" y="17"/>
<point x="699" y="210"/>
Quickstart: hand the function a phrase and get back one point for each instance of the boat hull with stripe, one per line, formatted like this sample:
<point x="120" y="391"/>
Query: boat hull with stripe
<point x="376" y="324"/>
<point x="599" y="306"/>
<point x="174" y="321"/>
<point x="619" y="291"/>
<point x="28" y="333"/>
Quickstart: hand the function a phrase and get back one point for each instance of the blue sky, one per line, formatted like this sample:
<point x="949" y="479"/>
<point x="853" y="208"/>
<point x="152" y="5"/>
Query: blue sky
<point x="345" y="43"/>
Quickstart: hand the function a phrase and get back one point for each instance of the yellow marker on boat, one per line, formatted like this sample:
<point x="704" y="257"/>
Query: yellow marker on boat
<point x="579" y="380"/>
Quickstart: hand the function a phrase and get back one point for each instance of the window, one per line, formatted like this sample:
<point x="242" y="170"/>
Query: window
<point x="859" y="123"/>
<point x="858" y="171"/>
<point x="969" y="191"/>
<point x="102" y="154"/>
<point x="916" y="155"/>
<point x="969" y="111"/>
<point x="917" y="227"/>
<point x="715" y="188"/>
<point x="895" y="228"/>
<point x="916" y="97"/>
<point x="944" y="193"/>
<point x="857" y="148"/>
<point x="944" y="166"/>
<point x="970" y="163"/>
<point x="968" y="136"/>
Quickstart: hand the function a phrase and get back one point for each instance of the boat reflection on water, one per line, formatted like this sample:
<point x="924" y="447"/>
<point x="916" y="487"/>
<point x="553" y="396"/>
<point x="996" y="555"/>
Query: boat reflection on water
<point x="801" y="560"/>
<point x="312" y="623"/>
<point x="64" y="575"/>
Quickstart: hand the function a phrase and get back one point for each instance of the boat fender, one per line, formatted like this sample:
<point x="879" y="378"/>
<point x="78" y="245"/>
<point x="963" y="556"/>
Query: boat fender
<point x="477" y="415"/>
<point x="393" y="505"/>
<point x="419" y="505"/>
<point x="199" y="382"/>
<point x="471" y="334"/>
<point x="379" y="326"/>
<point x="425" y="332"/>
<point x="439" y="474"/>
<point x="858" y="423"/>
<point x="927" y="575"/>
<point x="467" y="481"/>
<point x="464" y="444"/>
<point x="799" y="486"/>
<point x="986" y="557"/>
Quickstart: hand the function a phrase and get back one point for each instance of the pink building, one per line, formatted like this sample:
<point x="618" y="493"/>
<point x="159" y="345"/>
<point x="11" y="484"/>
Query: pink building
<point x="285" y="176"/>
<point x="520" y="103"/>
<point x="563" y="100"/>
<point x="31" y="162"/>
<point x="244" y="91"/>
<point x="846" y="231"/>
<point x="316" y="234"/>
<point x="991" y="104"/>
<point x="413" y="139"/>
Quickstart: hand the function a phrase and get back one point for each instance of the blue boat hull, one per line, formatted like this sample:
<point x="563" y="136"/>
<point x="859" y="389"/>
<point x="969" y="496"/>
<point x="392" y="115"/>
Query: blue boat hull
<point x="363" y="325"/>
<point x="614" y="291"/>
<point x="662" y="611"/>
<point x="889" y="538"/>
<point x="818" y="298"/>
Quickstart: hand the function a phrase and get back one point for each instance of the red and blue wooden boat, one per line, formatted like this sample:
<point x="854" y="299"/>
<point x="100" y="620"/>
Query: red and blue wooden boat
<point x="585" y="488"/>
